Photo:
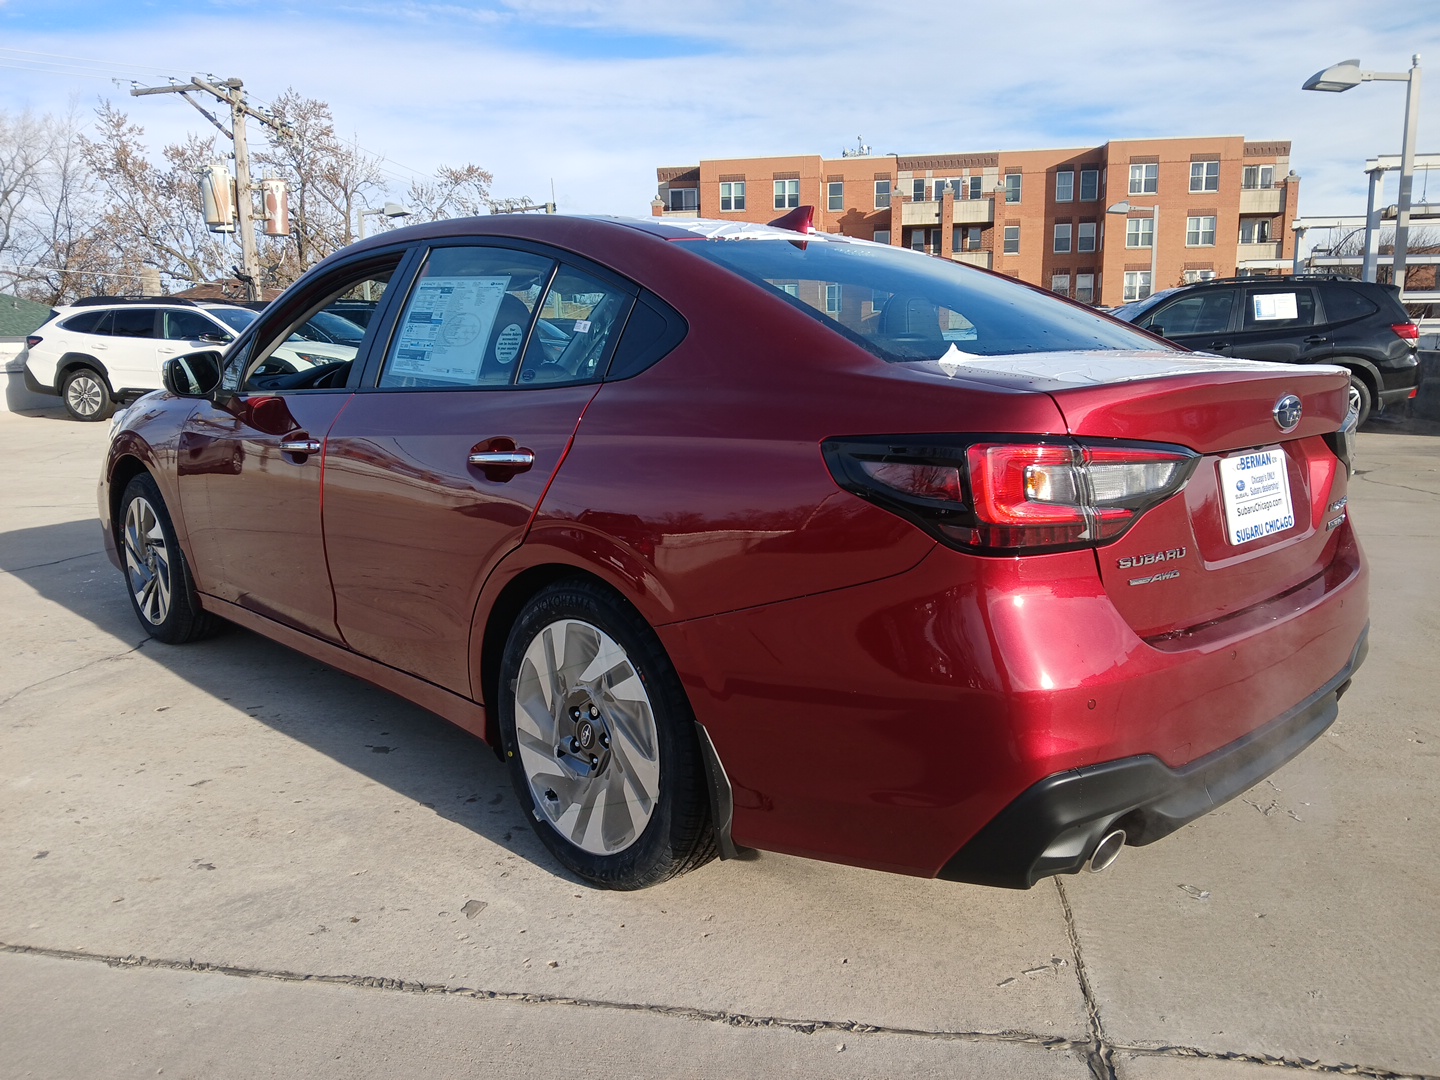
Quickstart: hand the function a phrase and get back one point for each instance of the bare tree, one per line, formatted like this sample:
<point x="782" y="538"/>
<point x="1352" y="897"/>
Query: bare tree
<point x="456" y="191"/>
<point x="27" y="143"/>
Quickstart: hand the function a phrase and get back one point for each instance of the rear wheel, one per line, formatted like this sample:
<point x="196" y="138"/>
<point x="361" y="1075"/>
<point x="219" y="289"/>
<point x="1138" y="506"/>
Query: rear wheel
<point x="1360" y="399"/>
<point x="600" y="741"/>
<point x="87" y="395"/>
<point x="162" y="592"/>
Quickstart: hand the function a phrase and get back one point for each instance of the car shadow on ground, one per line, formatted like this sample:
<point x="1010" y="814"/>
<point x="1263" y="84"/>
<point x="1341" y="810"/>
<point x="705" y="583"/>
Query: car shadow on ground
<point x="368" y="730"/>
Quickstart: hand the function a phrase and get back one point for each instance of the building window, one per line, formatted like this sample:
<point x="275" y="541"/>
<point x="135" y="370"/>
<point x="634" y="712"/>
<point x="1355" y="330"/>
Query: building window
<point x="1060" y="283"/>
<point x="1085" y="241"/>
<point x="882" y="236"/>
<point x="1144" y="179"/>
<point x="791" y="288"/>
<point x="1012" y="240"/>
<point x="1062" y="237"/>
<point x="972" y="238"/>
<point x="1065" y="185"/>
<point x="787" y="194"/>
<point x="1204" y="176"/>
<point x="1200" y="232"/>
<point x="835" y="195"/>
<point x="1089" y="189"/>
<point x="1140" y="232"/>
<point x="832" y="299"/>
<point x="1254" y="230"/>
<point x="882" y="194"/>
<point x="1137" y="285"/>
<point x="1258" y="176"/>
<point x="732" y="196"/>
<point x="977" y="187"/>
<point x="1192" y="276"/>
<point x="917" y="190"/>
<point x="684" y="198"/>
<point x="1012" y="187"/>
<point x="1085" y="288"/>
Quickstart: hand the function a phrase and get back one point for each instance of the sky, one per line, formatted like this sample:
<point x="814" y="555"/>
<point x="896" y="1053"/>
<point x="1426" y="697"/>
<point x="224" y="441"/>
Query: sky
<point x="591" y="96"/>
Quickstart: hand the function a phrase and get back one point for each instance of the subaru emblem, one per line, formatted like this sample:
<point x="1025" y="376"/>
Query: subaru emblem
<point x="1287" y="413"/>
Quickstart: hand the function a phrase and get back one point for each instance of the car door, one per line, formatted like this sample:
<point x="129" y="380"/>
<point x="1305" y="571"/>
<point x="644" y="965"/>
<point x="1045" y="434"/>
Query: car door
<point x="250" y="462"/>
<point x="1202" y="320"/>
<point x="129" y="351"/>
<point x="1278" y="322"/>
<point x="183" y="331"/>
<point x="435" y="471"/>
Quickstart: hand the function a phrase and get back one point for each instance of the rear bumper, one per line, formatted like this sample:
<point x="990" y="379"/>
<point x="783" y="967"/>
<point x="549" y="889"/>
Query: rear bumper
<point x="35" y="386"/>
<point x="1054" y="826"/>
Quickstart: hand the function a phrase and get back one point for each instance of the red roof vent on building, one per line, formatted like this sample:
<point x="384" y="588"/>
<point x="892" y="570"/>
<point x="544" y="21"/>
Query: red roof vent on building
<point x="801" y="220"/>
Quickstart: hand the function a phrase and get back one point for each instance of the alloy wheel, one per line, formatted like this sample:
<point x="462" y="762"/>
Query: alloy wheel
<point x="586" y="735"/>
<point x="147" y="561"/>
<point x="85" y="395"/>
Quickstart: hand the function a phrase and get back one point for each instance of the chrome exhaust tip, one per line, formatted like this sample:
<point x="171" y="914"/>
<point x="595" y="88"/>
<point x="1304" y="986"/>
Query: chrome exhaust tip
<point x="1106" y="852"/>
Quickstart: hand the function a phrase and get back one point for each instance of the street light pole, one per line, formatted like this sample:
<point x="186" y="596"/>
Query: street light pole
<point x="391" y="210"/>
<point x="1125" y="208"/>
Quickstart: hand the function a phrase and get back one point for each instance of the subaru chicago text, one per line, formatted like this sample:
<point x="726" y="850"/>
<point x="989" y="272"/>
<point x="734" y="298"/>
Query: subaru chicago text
<point x="731" y="536"/>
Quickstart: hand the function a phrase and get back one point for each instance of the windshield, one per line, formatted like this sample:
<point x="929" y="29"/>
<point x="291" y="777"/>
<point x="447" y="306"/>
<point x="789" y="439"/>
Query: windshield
<point x="235" y="318"/>
<point x="325" y="326"/>
<point x="905" y="306"/>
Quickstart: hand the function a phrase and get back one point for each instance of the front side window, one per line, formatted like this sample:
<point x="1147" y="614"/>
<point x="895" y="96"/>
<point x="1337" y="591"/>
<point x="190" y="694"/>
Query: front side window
<point x="1205" y="176"/>
<point x="1085" y="288"/>
<point x="904" y="308"/>
<point x="1144" y="179"/>
<point x="1206" y="312"/>
<point x="189" y="326"/>
<point x="1062" y="237"/>
<point x="684" y="199"/>
<point x="1089" y="185"/>
<point x="1140" y="232"/>
<point x="1200" y="232"/>
<point x="787" y="194"/>
<point x="732" y="195"/>
<point x="467" y="320"/>
<point x="1060" y="283"/>
<point x="1065" y="185"/>
<point x="835" y="195"/>
<point x="1137" y="285"/>
<point x="1012" y="240"/>
<point x="1254" y="230"/>
<point x="882" y="194"/>
<point x="1012" y="187"/>
<point x="1085" y="240"/>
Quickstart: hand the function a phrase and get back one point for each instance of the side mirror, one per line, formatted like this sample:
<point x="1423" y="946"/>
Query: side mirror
<point x="1156" y="329"/>
<point x="195" y="374"/>
<point x="217" y="338"/>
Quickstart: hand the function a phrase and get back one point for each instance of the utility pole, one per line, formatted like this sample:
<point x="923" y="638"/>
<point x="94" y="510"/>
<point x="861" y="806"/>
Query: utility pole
<point x="232" y="93"/>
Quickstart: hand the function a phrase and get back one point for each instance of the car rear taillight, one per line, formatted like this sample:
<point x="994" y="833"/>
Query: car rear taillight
<point x="1407" y="330"/>
<point x="33" y="340"/>
<point x="1008" y="497"/>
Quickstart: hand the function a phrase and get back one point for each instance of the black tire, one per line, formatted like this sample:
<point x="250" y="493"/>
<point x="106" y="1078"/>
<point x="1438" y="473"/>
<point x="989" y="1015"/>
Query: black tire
<point x="157" y="577"/>
<point x="1360" y="397"/>
<point x="86" y="395"/>
<point x="554" y="770"/>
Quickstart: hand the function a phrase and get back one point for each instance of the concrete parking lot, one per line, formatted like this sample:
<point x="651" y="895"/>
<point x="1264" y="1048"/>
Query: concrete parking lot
<point x="227" y="860"/>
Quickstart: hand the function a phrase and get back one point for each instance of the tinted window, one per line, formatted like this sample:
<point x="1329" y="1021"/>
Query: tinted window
<point x="235" y="318"/>
<point x="1342" y="304"/>
<point x="189" y="326"/>
<point x="653" y="329"/>
<point x="577" y="325"/>
<point x="467" y="319"/>
<point x="85" y="322"/>
<point x="1204" y="312"/>
<point x="133" y="322"/>
<point x="1279" y="308"/>
<point x="903" y="306"/>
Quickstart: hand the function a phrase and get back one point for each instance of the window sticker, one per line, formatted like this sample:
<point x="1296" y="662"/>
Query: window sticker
<point x="582" y="326"/>
<point x="447" y="327"/>
<point x="507" y="344"/>
<point x="1271" y="306"/>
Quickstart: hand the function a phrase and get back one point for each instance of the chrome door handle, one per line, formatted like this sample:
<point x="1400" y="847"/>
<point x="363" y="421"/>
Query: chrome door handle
<point x="300" y="446"/>
<point x="513" y="458"/>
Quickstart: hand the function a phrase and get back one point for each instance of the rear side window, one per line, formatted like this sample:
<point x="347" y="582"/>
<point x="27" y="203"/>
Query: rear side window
<point x="467" y="319"/>
<point x="1342" y="304"/>
<point x="578" y="323"/>
<point x="133" y="322"/>
<point x="902" y="307"/>
<point x="86" y="322"/>
<point x="1279" y="309"/>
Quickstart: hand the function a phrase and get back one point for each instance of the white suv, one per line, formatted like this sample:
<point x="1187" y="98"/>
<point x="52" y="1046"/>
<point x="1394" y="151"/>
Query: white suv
<point x="103" y="350"/>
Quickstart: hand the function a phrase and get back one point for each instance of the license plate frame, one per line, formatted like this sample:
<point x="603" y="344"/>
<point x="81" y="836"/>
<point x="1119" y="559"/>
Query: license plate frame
<point x="1255" y="488"/>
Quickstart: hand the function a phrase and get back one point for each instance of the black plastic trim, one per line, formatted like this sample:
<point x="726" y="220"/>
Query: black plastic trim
<point x="1054" y="825"/>
<point x="34" y="385"/>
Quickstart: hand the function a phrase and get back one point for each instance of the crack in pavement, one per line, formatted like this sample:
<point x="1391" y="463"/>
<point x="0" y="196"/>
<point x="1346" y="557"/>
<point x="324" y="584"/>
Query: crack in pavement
<point x="1097" y="1049"/>
<point x="60" y="675"/>
<point x="52" y="562"/>
<point x="1098" y="1054"/>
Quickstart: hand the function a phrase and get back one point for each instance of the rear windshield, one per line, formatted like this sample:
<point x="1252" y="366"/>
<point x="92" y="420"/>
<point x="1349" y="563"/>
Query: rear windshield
<point x="906" y="306"/>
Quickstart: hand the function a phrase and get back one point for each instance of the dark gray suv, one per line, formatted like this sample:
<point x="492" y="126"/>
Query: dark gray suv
<point x="1357" y="325"/>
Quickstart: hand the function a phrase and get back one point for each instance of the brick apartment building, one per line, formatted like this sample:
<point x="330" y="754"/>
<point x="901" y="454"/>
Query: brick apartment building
<point x="1038" y="215"/>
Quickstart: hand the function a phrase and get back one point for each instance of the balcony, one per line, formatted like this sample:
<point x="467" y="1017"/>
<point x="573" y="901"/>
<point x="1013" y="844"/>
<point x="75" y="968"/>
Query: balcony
<point x="973" y="258"/>
<point x="680" y="213"/>
<point x="920" y="213"/>
<point x="1251" y="252"/>
<point x="974" y="211"/>
<point x="1262" y="200"/>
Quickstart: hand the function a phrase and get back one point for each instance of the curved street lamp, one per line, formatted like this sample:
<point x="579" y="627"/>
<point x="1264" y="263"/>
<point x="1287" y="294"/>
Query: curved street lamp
<point x="1124" y="208"/>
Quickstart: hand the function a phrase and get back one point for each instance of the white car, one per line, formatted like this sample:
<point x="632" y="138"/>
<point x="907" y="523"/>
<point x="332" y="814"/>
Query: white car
<point x="104" y="349"/>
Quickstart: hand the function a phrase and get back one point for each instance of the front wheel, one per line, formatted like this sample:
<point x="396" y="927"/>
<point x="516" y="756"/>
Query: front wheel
<point x="600" y="742"/>
<point x="162" y="592"/>
<point x="86" y="395"/>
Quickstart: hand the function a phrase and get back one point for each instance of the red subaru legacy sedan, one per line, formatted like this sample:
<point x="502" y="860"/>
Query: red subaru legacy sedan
<point x="729" y="536"/>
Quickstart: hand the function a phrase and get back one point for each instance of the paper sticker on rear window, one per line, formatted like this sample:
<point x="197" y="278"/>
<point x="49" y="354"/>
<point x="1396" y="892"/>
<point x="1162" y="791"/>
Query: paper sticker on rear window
<point x="1273" y="306"/>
